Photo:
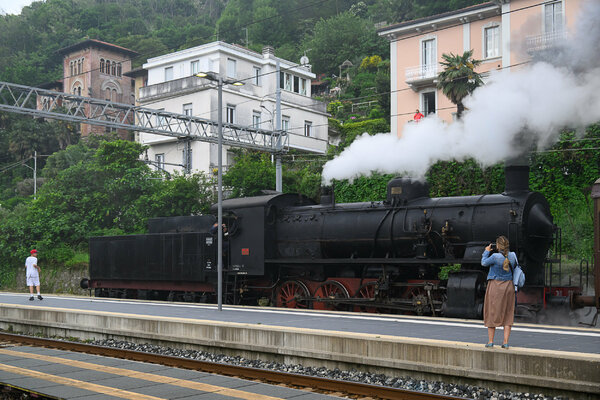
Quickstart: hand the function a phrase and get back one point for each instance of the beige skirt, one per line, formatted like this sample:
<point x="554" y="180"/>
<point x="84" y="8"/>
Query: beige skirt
<point x="499" y="305"/>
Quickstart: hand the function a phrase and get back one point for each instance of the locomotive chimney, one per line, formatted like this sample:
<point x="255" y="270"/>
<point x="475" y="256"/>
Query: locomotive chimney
<point x="328" y="196"/>
<point x="516" y="175"/>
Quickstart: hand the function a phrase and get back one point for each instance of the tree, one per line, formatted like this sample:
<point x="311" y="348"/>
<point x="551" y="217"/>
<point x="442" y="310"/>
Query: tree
<point x="459" y="79"/>
<point x="342" y="37"/>
<point x="251" y="173"/>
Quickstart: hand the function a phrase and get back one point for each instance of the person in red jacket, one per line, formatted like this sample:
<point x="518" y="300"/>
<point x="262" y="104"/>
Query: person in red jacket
<point x="418" y="116"/>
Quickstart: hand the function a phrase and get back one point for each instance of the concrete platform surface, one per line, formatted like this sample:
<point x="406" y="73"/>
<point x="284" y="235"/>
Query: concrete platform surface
<point x="68" y="375"/>
<point x="540" y="337"/>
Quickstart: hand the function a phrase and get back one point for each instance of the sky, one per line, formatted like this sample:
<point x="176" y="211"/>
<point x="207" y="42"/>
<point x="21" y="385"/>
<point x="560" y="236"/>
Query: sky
<point x="13" y="6"/>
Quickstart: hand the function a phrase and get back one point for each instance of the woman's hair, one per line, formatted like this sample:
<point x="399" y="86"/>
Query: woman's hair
<point x="502" y="245"/>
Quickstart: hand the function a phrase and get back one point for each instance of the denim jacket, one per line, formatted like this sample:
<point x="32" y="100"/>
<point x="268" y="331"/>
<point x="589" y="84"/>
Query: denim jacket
<point x="495" y="261"/>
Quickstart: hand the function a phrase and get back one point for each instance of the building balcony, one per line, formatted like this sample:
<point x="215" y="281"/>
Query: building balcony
<point x="545" y="41"/>
<point x="176" y="87"/>
<point x="307" y="143"/>
<point x="422" y="75"/>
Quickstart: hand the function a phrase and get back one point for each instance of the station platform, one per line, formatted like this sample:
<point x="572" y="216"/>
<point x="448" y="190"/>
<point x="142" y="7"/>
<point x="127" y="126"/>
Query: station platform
<point x="68" y="375"/>
<point x="552" y="359"/>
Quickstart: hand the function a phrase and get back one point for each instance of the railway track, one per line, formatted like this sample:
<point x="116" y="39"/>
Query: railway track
<point x="348" y="389"/>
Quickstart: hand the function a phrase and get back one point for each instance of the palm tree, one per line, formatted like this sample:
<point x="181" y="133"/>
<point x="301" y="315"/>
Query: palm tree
<point x="459" y="79"/>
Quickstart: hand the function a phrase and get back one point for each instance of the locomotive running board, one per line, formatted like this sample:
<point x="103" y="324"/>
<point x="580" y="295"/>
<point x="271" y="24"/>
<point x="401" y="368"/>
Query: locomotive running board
<point x="366" y="261"/>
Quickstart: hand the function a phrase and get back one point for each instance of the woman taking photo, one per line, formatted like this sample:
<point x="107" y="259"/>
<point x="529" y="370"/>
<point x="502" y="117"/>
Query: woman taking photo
<point x="499" y="305"/>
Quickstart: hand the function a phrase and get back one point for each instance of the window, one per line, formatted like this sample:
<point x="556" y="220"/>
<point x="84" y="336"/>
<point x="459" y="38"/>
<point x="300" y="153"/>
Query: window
<point x="113" y="95"/>
<point x="101" y="65"/>
<point x="288" y="82"/>
<point x="168" y="74"/>
<point x="231" y="73"/>
<point x="113" y="69"/>
<point x="303" y="87"/>
<point x="307" y="128"/>
<point x="160" y="161"/>
<point x="195" y="67"/>
<point x="296" y="84"/>
<point x="428" y="57"/>
<point x="285" y="123"/>
<point x="257" y="80"/>
<point x="187" y="158"/>
<point x="428" y="103"/>
<point x="553" y="17"/>
<point x="79" y="91"/>
<point x="107" y="97"/>
<point x="119" y="69"/>
<point x="492" y="41"/>
<point x="187" y="109"/>
<point x="230" y="114"/>
<point x="256" y="119"/>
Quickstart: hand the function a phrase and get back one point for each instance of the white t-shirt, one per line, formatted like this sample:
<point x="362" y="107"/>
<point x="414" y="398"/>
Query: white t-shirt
<point x="29" y="263"/>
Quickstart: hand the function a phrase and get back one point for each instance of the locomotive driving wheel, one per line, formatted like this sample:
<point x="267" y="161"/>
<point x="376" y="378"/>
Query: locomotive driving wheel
<point x="330" y="290"/>
<point x="366" y="291"/>
<point x="292" y="294"/>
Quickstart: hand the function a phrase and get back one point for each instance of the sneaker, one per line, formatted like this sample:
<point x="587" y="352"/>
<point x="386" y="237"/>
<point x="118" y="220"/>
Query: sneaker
<point x="39" y="297"/>
<point x="31" y="298"/>
<point x="489" y="345"/>
<point x="505" y="346"/>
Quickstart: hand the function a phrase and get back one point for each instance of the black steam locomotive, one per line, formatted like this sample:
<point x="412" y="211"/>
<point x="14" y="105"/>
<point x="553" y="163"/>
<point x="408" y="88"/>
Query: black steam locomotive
<point x="288" y="251"/>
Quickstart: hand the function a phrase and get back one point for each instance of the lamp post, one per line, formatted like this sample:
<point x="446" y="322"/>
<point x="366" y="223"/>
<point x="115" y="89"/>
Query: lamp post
<point x="220" y="82"/>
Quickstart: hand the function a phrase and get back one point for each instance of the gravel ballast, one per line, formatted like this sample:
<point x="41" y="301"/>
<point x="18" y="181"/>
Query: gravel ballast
<point x="407" y="383"/>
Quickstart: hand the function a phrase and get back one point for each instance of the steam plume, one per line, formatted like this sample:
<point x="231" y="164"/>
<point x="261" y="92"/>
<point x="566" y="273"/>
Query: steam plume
<point x="512" y="112"/>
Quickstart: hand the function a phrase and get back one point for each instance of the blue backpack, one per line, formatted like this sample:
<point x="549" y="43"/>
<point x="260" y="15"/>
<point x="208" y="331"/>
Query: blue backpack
<point x="518" y="276"/>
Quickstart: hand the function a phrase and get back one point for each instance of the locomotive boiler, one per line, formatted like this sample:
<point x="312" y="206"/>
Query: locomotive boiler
<point x="409" y="253"/>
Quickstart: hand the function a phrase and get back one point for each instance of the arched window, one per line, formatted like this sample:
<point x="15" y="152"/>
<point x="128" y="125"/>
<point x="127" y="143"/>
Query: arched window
<point x="107" y="94"/>
<point x="113" y="97"/>
<point x="102" y="65"/>
<point x="114" y="68"/>
<point x="119" y="69"/>
<point x="71" y="65"/>
<point x="79" y="91"/>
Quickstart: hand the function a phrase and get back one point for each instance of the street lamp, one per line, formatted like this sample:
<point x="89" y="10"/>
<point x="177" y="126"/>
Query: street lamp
<point x="220" y="82"/>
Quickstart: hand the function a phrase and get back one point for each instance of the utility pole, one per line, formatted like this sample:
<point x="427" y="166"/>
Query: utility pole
<point x="34" y="174"/>
<point x="278" y="177"/>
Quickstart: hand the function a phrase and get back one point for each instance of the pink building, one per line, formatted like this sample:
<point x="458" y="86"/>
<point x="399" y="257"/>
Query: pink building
<point x="504" y="34"/>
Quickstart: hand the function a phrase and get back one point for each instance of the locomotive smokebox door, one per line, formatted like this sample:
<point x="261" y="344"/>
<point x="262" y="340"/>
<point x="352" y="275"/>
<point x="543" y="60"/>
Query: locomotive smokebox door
<point x="465" y="294"/>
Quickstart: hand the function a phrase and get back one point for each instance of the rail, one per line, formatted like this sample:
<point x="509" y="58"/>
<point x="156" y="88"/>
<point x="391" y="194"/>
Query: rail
<point x="325" y="384"/>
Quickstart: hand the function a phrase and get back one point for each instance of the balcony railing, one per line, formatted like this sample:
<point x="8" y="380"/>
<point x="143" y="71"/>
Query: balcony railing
<point x="545" y="41"/>
<point x="423" y="72"/>
<point x="177" y="86"/>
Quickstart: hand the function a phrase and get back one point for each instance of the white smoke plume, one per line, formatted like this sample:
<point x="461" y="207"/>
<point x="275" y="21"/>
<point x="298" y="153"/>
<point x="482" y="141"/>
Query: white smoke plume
<point x="505" y="117"/>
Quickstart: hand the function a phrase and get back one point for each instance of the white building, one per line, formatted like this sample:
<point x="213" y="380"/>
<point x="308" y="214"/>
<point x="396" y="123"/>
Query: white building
<point x="172" y="86"/>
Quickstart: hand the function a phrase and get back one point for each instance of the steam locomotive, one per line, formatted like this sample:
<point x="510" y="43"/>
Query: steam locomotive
<point x="407" y="254"/>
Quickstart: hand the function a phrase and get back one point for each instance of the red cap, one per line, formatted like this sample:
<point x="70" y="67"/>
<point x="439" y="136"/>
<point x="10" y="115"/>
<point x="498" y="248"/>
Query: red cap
<point x="33" y="251"/>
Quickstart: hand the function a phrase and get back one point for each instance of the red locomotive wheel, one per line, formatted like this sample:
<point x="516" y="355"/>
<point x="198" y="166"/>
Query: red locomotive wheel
<point x="330" y="290"/>
<point x="292" y="294"/>
<point x="366" y="291"/>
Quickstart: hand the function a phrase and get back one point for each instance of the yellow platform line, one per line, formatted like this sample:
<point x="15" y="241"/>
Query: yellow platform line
<point x="139" y="375"/>
<point x="92" y="387"/>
